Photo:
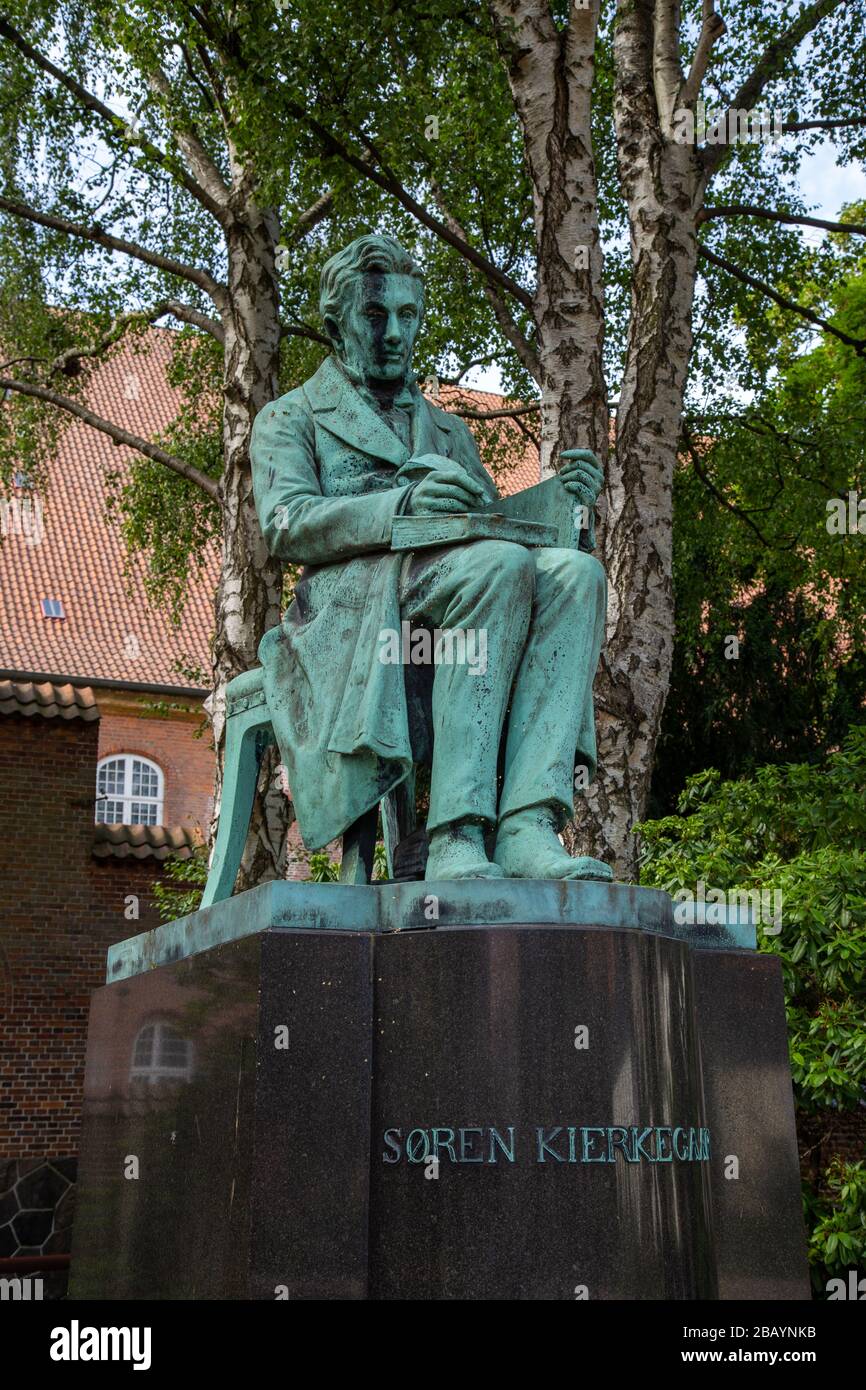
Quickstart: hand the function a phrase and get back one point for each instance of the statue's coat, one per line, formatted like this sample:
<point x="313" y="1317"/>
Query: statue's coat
<point x="329" y="477"/>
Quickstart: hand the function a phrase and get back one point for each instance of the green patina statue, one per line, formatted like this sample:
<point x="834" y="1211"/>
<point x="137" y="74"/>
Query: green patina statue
<point x="335" y="464"/>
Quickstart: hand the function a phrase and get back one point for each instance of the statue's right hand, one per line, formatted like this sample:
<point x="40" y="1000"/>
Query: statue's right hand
<point x="445" y="489"/>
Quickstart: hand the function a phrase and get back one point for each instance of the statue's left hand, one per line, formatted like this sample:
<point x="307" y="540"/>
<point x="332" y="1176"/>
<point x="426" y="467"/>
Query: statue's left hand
<point x="582" y="474"/>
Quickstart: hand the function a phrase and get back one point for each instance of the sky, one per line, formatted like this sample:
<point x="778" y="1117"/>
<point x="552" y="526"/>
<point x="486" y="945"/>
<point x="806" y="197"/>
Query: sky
<point x="827" y="185"/>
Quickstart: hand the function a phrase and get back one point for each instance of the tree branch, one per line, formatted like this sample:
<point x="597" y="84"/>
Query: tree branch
<point x="510" y="413"/>
<point x="527" y="433"/>
<point x="526" y="353"/>
<point x="189" y="143"/>
<point x="789" y="218"/>
<point x="467" y="367"/>
<point x="185" y="313"/>
<point x="123" y="322"/>
<point x="211" y="287"/>
<point x="768" y="66"/>
<point x="304" y="330"/>
<point x="789" y="441"/>
<point x="720" y="497"/>
<point x="92" y="103"/>
<point x="120" y="436"/>
<point x="858" y="344"/>
<point x="392" y="184"/>
<point x="824" y="125"/>
<point x="667" y="72"/>
<point x="385" y="179"/>
<point x="226" y="42"/>
<point x="311" y="217"/>
<point x="216" y="84"/>
<point x="713" y="27"/>
<point x="206" y="95"/>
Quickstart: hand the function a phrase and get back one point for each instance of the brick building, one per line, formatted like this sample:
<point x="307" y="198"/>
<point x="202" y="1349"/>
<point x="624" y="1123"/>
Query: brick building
<point x="64" y="897"/>
<point x="106" y="769"/>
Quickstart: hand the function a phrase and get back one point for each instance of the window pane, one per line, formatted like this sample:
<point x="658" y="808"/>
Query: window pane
<point x="128" y="792"/>
<point x="111" y="777"/>
<point x="145" y="781"/>
<point x="172" y="1049"/>
<point x="143" y="1055"/>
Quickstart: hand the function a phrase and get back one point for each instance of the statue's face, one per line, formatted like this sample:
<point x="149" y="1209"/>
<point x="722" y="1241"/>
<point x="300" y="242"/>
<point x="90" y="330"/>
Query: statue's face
<point x="378" y="327"/>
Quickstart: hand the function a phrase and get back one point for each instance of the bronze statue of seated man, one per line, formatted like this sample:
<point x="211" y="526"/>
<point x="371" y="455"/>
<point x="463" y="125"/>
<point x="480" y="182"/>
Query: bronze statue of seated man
<point x="335" y="462"/>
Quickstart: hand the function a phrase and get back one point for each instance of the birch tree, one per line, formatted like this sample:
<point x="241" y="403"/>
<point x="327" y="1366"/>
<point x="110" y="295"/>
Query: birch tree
<point x="510" y="143"/>
<point x="149" y="176"/>
<point x="608" y="102"/>
<point x="127" y="200"/>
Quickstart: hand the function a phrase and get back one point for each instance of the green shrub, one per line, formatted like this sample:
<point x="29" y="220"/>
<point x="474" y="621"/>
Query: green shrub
<point x="801" y="830"/>
<point x="179" y="893"/>
<point x="837" y="1218"/>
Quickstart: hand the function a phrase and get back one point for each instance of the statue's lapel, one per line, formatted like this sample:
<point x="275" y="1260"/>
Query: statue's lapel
<point x="339" y="409"/>
<point x="432" y="430"/>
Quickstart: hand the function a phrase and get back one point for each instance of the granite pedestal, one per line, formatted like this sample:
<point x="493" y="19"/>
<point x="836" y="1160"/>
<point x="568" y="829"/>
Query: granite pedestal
<point x="474" y="1091"/>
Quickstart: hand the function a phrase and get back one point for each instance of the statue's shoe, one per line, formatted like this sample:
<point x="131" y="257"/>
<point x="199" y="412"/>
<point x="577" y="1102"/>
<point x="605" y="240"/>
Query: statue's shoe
<point x="457" y="851"/>
<point x="527" y="846"/>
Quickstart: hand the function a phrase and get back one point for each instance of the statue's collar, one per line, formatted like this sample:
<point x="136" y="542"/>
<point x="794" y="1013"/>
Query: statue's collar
<point x="406" y="397"/>
<point x="347" y="414"/>
<point x="342" y="410"/>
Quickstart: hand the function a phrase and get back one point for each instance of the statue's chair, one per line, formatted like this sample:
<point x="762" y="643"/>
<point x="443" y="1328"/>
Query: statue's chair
<point x="249" y="732"/>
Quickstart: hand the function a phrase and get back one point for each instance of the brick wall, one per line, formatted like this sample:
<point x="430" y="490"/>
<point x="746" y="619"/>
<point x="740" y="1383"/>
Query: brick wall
<point x="187" y="762"/>
<point x="60" y="909"/>
<point x="827" y="1135"/>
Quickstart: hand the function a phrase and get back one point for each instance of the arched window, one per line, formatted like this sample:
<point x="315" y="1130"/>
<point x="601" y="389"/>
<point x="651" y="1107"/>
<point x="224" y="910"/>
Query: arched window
<point x="161" y="1054"/>
<point x="129" y="791"/>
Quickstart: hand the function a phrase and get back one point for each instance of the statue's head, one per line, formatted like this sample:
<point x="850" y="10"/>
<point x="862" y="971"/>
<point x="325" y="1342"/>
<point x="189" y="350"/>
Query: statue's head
<point x="371" y="301"/>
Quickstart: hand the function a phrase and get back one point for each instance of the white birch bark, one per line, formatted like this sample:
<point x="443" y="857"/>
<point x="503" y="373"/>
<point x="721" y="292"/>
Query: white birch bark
<point x="248" y="597"/>
<point x="550" y="72"/>
<point x="660" y="180"/>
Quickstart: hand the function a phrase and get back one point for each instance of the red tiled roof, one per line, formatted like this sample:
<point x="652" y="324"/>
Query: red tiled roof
<point x="50" y="701"/>
<point x="145" y="841"/>
<point x="517" y="463"/>
<point x="110" y="630"/>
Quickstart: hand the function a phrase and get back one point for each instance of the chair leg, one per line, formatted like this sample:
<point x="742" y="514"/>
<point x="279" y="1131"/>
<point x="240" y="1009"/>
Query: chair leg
<point x="359" y="845"/>
<point x="398" y="817"/>
<point x="247" y="737"/>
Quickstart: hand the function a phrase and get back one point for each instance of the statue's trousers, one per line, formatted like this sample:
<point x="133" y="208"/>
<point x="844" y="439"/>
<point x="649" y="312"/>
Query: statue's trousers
<point x="538" y="618"/>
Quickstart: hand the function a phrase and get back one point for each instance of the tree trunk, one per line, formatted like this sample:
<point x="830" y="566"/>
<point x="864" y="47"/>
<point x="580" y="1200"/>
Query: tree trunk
<point x="550" y="72"/>
<point x="635" y="537"/>
<point x="661" y="181"/>
<point x="250" y="587"/>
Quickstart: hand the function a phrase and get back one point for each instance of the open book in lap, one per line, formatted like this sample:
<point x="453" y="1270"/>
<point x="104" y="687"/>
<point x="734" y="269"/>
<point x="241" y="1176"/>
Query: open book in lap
<point x="543" y="515"/>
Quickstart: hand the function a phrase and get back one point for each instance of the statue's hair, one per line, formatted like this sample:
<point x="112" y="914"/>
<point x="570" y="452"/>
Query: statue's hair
<point x="367" y="253"/>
